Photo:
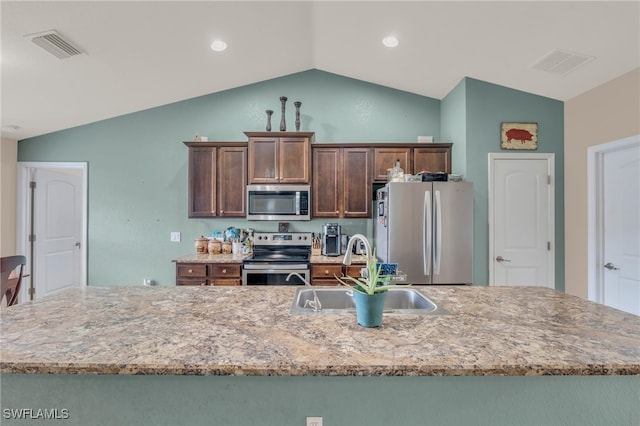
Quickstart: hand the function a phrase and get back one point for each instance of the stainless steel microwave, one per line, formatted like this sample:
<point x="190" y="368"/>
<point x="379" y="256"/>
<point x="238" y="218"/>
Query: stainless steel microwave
<point x="278" y="202"/>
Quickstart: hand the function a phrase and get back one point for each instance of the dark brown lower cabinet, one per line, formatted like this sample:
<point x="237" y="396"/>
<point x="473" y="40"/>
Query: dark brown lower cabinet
<point x="324" y="274"/>
<point x="227" y="274"/>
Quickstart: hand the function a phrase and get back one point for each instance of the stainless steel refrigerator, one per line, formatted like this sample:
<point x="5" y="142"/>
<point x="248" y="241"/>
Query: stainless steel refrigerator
<point x="427" y="229"/>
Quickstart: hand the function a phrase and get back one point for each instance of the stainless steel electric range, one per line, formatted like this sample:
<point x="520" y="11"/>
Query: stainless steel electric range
<point x="276" y="256"/>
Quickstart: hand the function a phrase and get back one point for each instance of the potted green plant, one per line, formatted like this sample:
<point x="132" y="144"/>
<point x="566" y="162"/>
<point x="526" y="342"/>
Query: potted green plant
<point x="369" y="292"/>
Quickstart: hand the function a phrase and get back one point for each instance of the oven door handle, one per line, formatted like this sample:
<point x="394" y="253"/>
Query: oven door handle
<point x="275" y="268"/>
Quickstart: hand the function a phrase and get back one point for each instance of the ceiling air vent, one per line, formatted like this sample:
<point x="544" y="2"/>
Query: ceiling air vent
<point x="561" y="62"/>
<point x="54" y="43"/>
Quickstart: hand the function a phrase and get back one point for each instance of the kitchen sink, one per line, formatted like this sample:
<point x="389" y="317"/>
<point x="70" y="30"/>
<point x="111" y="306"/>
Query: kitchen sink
<point x="339" y="300"/>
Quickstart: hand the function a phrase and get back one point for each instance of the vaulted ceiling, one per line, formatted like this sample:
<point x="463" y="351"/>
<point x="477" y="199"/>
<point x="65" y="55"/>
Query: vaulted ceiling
<point x="144" y="54"/>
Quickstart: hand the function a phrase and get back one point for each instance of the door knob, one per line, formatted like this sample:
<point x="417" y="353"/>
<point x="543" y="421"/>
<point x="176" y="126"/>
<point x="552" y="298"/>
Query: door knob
<point x="502" y="259"/>
<point x="611" y="267"/>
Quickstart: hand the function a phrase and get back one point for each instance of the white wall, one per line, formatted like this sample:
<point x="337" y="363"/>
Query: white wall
<point x="8" y="168"/>
<point x="604" y="114"/>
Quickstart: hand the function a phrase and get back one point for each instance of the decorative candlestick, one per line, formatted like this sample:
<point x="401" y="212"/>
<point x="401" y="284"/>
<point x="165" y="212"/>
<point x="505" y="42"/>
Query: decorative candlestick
<point x="297" y="104"/>
<point x="283" y="123"/>
<point x="269" y="113"/>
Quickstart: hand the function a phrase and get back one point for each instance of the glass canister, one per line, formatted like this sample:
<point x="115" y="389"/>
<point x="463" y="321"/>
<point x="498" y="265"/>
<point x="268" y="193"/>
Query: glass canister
<point x="201" y="245"/>
<point x="215" y="246"/>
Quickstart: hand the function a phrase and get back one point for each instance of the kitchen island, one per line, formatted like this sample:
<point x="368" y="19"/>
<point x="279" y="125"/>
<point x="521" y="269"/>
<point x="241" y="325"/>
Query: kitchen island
<point x="225" y="345"/>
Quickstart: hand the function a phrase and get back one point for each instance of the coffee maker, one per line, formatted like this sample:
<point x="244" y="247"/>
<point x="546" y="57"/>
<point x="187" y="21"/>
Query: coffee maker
<point x="331" y="239"/>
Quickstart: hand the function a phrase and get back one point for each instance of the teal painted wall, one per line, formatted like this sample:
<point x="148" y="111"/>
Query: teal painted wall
<point x="345" y="401"/>
<point x="487" y="106"/>
<point x="453" y="110"/>
<point x="138" y="164"/>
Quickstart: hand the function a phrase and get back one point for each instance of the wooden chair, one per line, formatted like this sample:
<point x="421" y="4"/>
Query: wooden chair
<point x="11" y="273"/>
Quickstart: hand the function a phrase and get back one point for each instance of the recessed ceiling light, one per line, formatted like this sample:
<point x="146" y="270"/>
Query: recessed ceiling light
<point x="390" y="41"/>
<point x="218" y="45"/>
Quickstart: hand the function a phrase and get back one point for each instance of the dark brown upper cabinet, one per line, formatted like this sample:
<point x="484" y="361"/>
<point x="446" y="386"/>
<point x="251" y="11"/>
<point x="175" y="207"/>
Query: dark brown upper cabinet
<point x="279" y="157"/>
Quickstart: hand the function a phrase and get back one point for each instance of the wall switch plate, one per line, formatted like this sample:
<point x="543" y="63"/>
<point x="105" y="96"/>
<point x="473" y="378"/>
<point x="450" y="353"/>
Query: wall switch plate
<point x="175" y="237"/>
<point x="314" y="421"/>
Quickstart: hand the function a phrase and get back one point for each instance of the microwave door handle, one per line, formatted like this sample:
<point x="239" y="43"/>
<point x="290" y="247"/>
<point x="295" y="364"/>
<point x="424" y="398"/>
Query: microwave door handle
<point x="298" y="203"/>
<point x="426" y="233"/>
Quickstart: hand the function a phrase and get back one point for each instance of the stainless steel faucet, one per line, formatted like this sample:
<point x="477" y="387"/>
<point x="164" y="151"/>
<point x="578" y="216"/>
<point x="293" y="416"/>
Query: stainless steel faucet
<point x="352" y="240"/>
<point x="315" y="303"/>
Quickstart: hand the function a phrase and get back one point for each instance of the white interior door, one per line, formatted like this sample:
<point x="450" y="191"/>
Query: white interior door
<point x="521" y="225"/>
<point x="621" y="233"/>
<point x="58" y="231"/>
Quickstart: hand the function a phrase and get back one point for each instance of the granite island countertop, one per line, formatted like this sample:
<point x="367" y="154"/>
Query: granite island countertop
<point x="249" y="331"/>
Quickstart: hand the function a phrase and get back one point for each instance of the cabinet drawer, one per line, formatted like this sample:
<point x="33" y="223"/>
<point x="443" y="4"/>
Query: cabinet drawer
<point x="188" y="270"/>
<point x="325" y="282"/>
<point x="226" y="281"/>
<point x="191" y="281"/>
<point x="326" y="271"/>
<point x="354" y="270"/>
<point x="224" y="270"/>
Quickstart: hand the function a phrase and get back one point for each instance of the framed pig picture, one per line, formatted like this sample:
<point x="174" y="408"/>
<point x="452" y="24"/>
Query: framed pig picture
<point x="519" y="136"/>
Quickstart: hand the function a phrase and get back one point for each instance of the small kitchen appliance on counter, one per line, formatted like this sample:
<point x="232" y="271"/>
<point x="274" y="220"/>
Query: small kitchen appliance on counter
<point x="331" y="239"/>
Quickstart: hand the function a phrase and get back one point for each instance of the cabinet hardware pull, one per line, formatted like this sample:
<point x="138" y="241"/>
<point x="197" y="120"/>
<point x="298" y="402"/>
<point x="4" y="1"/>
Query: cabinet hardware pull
<point x="191" y="271"/>
<point x="224" y="271"/>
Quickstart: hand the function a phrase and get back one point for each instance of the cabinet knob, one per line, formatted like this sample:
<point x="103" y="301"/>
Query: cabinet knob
<point x="224" y="271"/>
<point x="191" y="271"/>
<point x="221" y="211"/>
<point x="337" y="212"/>
<point x="203" y="283"/>
<point x="326" y="272"/>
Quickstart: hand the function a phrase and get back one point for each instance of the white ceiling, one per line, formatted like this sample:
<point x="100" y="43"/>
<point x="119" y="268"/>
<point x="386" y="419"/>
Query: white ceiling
<point x="149" y="53"/>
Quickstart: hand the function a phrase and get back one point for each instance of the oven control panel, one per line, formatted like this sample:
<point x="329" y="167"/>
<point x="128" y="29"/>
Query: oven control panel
<point x="282" y="238"/>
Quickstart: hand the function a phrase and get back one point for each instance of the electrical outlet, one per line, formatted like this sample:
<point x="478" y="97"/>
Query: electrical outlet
<point x="147" y="282"/>
<point x="314" y="421"/>
<point x="175" y="237"/>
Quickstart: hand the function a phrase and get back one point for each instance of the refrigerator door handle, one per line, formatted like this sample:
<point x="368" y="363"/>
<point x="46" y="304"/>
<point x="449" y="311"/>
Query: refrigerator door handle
<point x="426" y="233"/>
<point x="438" y="237"/>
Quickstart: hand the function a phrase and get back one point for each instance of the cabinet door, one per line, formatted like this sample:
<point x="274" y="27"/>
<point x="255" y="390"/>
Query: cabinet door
<point x="202" y="182"/>
<point x="263" y="160"/>
<point x="294" y="158"/>
<point x="385" y="158"/>
<point x="232" y="181"/>
<point x="432" y="159"/>
<point x="327" y="183"/>
<point x="356" y="166"/>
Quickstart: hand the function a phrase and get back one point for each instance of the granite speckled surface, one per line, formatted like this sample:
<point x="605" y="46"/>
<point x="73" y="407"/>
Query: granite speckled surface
<point x="355" y="259"/>
<point x="249" y="331"/>
<point x="210" y="258"/>
<point x="235" y="258"/>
